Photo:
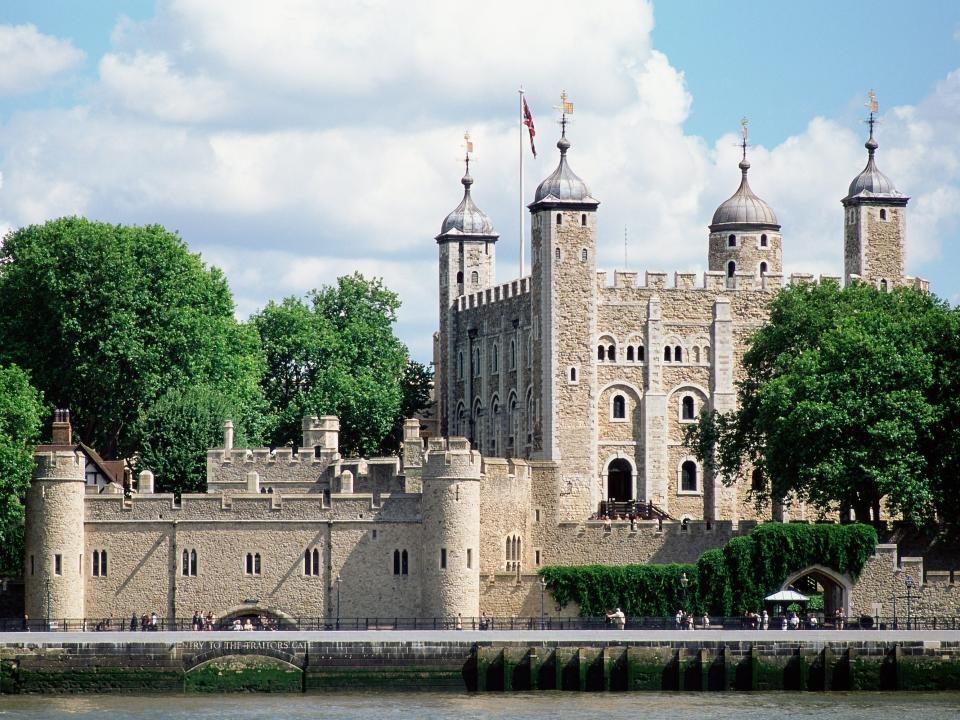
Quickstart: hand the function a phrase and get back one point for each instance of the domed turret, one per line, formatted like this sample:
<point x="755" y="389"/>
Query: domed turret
<point x="467" y="218"/>
<point x="563" y="186"/>
<point x="744" y="207"/>
<point x="874" y="227"/>
<point x="745" y="233"/>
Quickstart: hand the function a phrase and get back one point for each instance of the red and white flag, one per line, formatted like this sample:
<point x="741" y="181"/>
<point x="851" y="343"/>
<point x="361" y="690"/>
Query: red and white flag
<point x="528" y="121"/>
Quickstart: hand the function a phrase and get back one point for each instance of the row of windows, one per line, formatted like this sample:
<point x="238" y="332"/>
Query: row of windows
<point x="732" y="241"/>
<point x="476" y="366"/>
<point x="732" y="269"/>
<point x="513" y="552"/>
<point x="618" y="407"/>
<point x="99" y="563"/>
<point x="608" y="353"/>
<point x="584" y="254"/>
<point x="474" y="278"/>
<point x="852" y="215"/>
<point x="583" y="219"/>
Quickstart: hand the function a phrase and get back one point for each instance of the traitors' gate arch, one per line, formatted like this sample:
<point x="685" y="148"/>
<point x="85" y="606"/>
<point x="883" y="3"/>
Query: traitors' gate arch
<point x="197" y="653"/>
<point x="837" y="587"/>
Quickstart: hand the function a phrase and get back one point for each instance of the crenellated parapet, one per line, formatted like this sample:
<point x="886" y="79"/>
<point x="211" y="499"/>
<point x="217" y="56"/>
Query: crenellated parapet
<point x="711" y="281"/>
<point x="451" y="459"/>
<point x="489" y="296"/>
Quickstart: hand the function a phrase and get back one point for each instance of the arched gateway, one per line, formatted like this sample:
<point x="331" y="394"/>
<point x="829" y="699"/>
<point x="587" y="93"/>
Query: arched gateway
<point x="835" y="587"/>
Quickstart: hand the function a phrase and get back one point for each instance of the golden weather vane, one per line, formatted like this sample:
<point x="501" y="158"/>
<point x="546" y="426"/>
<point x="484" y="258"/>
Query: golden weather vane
<point x="872" y="102"/>
<point x="467" y="142"/>
<point x="744" y="130"/>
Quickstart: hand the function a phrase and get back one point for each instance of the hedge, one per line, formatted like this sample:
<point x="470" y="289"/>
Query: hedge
<point x="724" y="581"/>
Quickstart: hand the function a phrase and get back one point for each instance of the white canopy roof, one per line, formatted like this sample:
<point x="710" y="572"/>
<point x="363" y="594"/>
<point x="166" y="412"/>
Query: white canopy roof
<point x="787" y="596"/>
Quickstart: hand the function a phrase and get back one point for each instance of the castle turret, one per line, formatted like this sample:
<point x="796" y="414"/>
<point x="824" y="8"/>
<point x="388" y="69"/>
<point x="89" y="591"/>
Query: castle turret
<point x="467" y="243"/>
<point x="450" y="509"/>
<point x="54" y="563"/>
<point x="564" y="297"/>
<point x="875" y="218"/>
<point x="744" y="233"/>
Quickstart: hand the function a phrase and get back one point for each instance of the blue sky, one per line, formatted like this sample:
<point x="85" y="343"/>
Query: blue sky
<point x="295" y="141"/>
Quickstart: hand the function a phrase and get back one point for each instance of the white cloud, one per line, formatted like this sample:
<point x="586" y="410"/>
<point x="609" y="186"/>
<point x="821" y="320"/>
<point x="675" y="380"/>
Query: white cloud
<point x="29" y="60"/>
<point x="293" y="145"/>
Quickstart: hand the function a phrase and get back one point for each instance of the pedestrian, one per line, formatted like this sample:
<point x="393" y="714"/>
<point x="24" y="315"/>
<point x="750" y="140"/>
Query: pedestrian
<point x="26" y="623"/>
<point x="133" y="622"/>
<point x="678" y="618"/>
<point x="706" y="620"/>
<point x="459" y="621"/>
<point x="617" y="619"/>
<point x="765" y="619"/>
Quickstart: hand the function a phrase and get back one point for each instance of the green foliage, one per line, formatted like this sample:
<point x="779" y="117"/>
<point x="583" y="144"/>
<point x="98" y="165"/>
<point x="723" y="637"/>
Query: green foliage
<point x="109" y="318"/>
<point x="335" y="354"/>
<point x="725" y="581"/>
<point x="21" y="408"/>
<point x="417" y="384"/>
<point x="849" y="398"/>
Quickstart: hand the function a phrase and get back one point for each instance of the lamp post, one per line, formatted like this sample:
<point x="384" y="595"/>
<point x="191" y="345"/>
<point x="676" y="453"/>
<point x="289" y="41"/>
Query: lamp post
<point x="684" y="581"/>
<point x="338" y="602"/>
<point x="543" y="587"/>
<point x="908" y="581"/>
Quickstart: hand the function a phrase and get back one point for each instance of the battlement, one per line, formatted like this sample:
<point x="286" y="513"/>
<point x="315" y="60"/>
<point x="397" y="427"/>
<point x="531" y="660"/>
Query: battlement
<point x="451" y="458"/>
<point x="265" y="457"/>
<point x="512" y="289"/>
<point x="712" y="281"/>
<point x="59" y="465"/>
<point x="506" y="469"/>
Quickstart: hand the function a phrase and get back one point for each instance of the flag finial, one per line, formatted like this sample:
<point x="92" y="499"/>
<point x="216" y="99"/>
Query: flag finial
<point x="874" y="108"/>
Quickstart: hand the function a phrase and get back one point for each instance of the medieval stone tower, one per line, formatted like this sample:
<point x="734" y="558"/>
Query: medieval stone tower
<point x="745" y="237"/>
<point x="467" y="242"/>
<point x="55" y="530"/>
<point x="875" y="217"/>
<point x="564" y="301"/>
<point x="450" y="569"/>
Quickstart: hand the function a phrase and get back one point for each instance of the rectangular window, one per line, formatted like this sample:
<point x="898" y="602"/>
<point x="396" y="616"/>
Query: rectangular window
<point x="80" y="564"/>
<point x="536" y="557"/>
<point x="469" y="558"/>
<point x="443" y="558"/>
<point x="32" y="566"/>
<point x="57" y="564"/>
<point x="536" y="515"/>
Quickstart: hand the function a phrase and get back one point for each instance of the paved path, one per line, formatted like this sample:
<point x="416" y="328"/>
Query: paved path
<point x="471" y="636"/>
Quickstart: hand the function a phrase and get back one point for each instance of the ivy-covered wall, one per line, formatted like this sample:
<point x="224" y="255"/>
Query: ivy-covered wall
<point x="726" y="581"/>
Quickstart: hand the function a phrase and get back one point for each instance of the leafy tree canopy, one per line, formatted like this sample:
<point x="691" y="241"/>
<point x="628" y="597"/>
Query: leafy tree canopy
<point x="109" y="319"/>
<point x="21" y="410"/>
<point x="335" y="353"/>
<point x="849" y="397"/>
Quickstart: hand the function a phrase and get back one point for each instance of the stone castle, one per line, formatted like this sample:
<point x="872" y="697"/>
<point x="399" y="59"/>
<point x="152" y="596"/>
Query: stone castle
<point x="557" y="391"/>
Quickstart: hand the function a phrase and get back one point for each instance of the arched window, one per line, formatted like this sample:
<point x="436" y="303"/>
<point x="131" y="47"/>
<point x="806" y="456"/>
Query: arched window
<point x="732" y="241"/>
<point x="696" y="354"/>
<point x="476" y="362"/>
<point x="678" y="354"/>
<point x="556" y="253"/>
<point x="103" y="563"/>
<point x="883" y="214"/>
<point x="883" y="286"/>
<point x="316" y="562"/>
<point x="559" y="219"/>
<point x="687" y="407"/>
<point x="475" y="277"/>
<point x="619" y="407"/>
<point x="640" y="355"/>
<point x="583" y="255"/>
<point x="460" y="366"/>
<point x="583" y="221"/>
<point x="763" y="269"/>
<point x="573" y="374"/>
<point x="96" y="563"/>
<point x="731" y="268"/>
<point x="404" y="564"/>
<point x="706" y="353"/>
<point x="396" y="562"/>
<point x="629" y="353"/>
<point x="763" y="241"/>
<point x="307" y="565"/>
<point x="495" y="361"/>
<point x="460" y="278"/>
<point x="601" y="353"/>
<point x="513" y="354"/>
<point x="688" y="476"/>
<point x="666" y="354"/>
<point x="612" y="353"/>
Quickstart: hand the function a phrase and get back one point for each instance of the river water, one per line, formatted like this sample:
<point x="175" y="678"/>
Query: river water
<point x="524" y="706"/>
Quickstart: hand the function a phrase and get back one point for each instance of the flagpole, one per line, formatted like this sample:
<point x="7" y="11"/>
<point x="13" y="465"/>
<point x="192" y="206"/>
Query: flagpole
<point x="523" y="240"/>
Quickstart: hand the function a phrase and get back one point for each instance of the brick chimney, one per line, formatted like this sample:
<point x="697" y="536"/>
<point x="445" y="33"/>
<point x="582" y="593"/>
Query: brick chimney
<point x="62" y="433"/>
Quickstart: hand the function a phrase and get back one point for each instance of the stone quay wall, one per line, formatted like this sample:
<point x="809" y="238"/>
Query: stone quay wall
<point x="480" y="661"/>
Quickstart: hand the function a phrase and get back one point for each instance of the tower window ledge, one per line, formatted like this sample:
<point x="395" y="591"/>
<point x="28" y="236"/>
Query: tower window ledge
<point x="696" y="493"/>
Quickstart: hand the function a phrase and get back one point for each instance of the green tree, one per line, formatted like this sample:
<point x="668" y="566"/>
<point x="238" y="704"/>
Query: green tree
<point x="21" y="409"/>
<point x="110" y="318"/>
<point x="843" y="403"/>
<point x="335" y="353"/>
<point x="417" y="386"/>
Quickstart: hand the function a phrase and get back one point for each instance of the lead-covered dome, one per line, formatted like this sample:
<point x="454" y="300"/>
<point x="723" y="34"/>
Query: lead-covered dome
<point x="871" y="182"/>
<point x="467" y="218"/>
<point x="744" y="207"/>
<point x="563" y="185"/>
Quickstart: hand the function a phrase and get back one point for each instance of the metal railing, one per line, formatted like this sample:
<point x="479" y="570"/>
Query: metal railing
<point x="471" y="623"/>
